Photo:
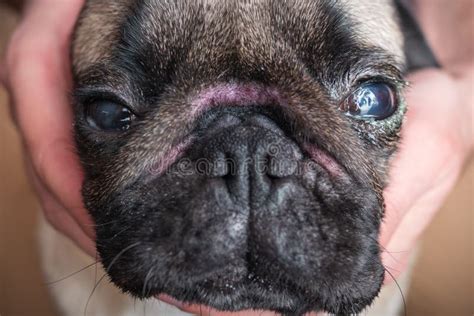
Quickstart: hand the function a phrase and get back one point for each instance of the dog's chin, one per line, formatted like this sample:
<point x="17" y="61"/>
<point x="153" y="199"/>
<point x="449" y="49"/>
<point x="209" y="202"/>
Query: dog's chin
<point x="283" y="260"/>
<point x="291" y="242"/>
<point x="251" y="292"/>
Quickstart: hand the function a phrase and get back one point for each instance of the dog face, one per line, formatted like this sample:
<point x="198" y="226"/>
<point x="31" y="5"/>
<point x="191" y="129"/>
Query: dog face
<point x="235" y="152"/>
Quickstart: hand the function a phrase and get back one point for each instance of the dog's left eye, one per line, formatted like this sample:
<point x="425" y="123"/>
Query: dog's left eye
<point x="371" y="100"/>
<point x="108" y="116"/>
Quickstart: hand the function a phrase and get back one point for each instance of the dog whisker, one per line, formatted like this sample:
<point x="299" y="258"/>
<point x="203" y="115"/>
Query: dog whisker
<point x="391" y="268"/>
<point x="120" y="254"/>
<point x="147" y="279"/>
<point x="92" y="293"/>
<point x="400" y="290"/>
<point x="107" y="271"/>
<point x="72" y="274"/>
<point x="96" y="268"/>
<point x="120" y="232"/>
<point x="114" y="236"/>
<point x="103" y="224"/>
<point x="390" y="253"/>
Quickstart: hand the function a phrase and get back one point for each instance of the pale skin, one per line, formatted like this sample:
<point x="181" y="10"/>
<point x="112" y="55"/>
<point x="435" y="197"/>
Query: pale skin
<point x="437" y="137"/>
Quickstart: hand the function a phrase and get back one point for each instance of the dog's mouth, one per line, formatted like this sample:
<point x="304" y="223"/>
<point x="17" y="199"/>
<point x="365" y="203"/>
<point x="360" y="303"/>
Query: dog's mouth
<point x="226" y="293"/>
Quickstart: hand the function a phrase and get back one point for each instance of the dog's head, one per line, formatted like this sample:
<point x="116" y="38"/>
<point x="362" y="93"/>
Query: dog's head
<point x="235" y="152"/>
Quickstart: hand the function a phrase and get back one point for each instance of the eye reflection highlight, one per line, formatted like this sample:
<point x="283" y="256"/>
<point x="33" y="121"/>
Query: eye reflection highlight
<point x="372" y="100"/>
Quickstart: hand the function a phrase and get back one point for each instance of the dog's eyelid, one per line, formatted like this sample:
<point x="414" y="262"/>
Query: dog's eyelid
<point x="85" y="95"/>
<point x="386" y="72"/>
<point x="394" y="81"/>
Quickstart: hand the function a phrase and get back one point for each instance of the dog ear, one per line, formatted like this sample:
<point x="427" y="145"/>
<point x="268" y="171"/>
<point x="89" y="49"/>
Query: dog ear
<point x="418" y="53"/>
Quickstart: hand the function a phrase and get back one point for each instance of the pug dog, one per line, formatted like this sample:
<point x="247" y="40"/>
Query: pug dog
<point x="235" y="151"/>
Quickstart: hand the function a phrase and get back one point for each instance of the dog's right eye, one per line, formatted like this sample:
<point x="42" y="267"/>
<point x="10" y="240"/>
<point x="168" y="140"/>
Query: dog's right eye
<point x="108" y="116"/>
<point x="374" y="100"/>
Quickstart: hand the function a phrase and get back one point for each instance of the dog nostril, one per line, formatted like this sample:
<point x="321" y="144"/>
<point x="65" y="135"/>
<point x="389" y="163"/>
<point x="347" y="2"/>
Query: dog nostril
<point x="230" y="168"/>
<point x="222" y="165"/>
<point x="268" y="159"/>
<point x="247" y="154"/>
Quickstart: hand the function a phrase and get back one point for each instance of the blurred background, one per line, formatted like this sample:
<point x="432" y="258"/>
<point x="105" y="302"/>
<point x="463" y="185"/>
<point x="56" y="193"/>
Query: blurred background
<point x="442" y="282"/>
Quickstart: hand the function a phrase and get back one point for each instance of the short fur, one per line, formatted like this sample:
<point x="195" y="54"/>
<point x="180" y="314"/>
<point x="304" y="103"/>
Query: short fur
<point x="307" y="242"/>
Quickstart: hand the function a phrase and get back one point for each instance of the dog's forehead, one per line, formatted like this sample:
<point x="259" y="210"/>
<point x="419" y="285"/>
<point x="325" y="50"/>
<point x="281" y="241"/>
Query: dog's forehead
<point x="103" y="22"/>
<point x="377" y="23"/>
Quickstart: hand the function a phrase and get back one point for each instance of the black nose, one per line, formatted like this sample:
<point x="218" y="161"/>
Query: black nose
<point x="249" y="153"/>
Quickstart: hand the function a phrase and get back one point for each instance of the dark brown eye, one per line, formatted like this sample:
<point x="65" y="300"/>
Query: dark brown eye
<point x="372" y="100"/>
<point x="108" y="116"/>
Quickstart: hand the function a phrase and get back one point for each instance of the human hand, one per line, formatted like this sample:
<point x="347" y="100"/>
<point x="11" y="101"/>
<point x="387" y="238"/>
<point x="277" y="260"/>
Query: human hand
<point x="437" y="137"/>
<point x="36" y="72"/>
<point x="436" y="141"/>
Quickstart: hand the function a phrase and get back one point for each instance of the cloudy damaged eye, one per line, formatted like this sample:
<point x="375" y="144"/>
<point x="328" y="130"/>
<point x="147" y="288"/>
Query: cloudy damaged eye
<point x="108" y="116"/>
<point x="371" y="101"/>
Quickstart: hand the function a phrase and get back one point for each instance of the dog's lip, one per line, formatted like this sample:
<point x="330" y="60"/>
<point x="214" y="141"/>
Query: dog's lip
<point x="185" y="307"/>
<point x="230" y="288"/>
<point x="171" y="300"/>
<point x="203" y="303"/>
<point x="190" y="307"/>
